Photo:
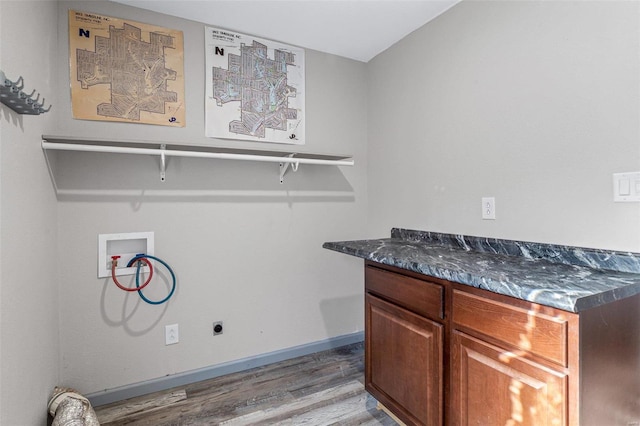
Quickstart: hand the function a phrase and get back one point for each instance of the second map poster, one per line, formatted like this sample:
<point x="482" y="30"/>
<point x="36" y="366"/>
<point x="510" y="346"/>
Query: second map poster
<point x="254" y="88"/>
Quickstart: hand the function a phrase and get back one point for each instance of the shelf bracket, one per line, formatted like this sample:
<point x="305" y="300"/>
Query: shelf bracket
<point x="163" y="162"/>
<point x="285" y="165"/>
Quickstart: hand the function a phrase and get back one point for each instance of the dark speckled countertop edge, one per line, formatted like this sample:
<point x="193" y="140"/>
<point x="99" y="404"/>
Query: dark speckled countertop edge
<point x="568" y="278"/>
<point x="568" y="255"/>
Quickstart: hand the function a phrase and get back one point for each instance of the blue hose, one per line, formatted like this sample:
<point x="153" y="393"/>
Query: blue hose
<point x="173" y="277"/>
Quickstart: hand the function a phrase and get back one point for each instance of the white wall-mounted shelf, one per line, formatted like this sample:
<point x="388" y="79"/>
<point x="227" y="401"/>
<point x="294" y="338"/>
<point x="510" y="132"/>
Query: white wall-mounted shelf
<point x="164" y="150"/>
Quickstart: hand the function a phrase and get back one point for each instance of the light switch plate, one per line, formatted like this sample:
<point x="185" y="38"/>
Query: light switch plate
<point x="626" y="187"/>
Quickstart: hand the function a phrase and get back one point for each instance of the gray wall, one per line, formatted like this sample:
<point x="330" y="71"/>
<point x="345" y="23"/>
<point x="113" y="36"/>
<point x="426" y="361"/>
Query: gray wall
<point x="29" y="348"/>
<point x="534" y="103"/>
<point x="246" y="250"/>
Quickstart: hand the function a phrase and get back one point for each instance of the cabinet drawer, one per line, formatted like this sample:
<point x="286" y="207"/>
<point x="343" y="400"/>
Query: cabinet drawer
<point x="422" y="297"/>
<point x="529" y="330"/>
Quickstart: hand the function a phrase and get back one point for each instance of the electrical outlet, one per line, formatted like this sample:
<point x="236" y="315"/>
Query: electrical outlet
<point x="217" y="328"/>
<point x="171" y="334"/>
<point x="488" y="208"/>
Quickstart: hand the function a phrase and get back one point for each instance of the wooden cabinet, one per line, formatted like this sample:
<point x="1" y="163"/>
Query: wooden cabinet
<point x="441" y="353"/>
<point x="522" y="379"/>
<point x="491" y="386"/>
<point x="404" y="362"/>
<point x="404" y="348"/>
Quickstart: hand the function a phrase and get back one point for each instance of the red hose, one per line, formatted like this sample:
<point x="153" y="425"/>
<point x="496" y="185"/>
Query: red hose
<point x="114" y="263"/>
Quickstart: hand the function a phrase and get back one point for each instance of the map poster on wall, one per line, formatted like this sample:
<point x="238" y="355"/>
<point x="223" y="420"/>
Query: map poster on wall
<point x="254" y="88"/>
<point x="125" y="71"/>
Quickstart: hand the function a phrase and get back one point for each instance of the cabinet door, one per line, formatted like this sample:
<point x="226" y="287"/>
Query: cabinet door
<point x="403" y="362"/>
<point x="492" y="386"/>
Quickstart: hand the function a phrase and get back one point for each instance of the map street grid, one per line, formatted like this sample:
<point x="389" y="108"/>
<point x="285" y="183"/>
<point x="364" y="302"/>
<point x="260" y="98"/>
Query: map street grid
<point x="125" y="71"/>
<point x="255" y="88"/>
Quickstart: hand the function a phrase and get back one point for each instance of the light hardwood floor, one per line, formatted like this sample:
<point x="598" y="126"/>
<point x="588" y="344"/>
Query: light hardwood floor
<point x="325" y="388"/>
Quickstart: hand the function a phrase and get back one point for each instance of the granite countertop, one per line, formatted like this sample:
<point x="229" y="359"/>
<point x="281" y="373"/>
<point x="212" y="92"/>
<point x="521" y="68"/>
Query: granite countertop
<point x="569" y="278"/>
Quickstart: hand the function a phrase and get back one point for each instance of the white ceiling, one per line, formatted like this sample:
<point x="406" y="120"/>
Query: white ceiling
<point x="356" y="29"/>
